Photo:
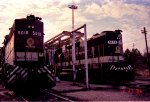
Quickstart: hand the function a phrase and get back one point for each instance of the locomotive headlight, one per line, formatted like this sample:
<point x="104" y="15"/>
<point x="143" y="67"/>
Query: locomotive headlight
<point x="31" y="27"/>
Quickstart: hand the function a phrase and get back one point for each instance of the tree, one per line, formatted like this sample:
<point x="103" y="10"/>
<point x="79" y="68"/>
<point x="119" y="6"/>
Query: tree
<point x="137" y="58"/>
<point x="127" y="56"/>
<point x="145" y="59"/>
<point x="134" y="57"/>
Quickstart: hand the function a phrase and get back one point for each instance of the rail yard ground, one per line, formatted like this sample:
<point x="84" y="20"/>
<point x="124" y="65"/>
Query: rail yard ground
<point x="78" y="91"/>
<point x="6" y="94"/>
<point x="139" y="90"/>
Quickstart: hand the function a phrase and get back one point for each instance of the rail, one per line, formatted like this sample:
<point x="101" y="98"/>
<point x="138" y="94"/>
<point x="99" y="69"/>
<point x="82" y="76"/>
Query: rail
<point x="63" y="98"/>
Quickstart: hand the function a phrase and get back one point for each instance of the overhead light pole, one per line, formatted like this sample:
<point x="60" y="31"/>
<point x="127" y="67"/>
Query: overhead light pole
<point x="73" y="7"/>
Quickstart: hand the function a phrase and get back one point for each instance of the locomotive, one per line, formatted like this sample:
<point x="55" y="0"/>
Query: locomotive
<point x="105" y="59"/>
<point x="23" y="55"/>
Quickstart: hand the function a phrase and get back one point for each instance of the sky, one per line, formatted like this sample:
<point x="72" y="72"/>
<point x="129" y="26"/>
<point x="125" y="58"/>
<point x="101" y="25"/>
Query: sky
<point x="130" y="16"/>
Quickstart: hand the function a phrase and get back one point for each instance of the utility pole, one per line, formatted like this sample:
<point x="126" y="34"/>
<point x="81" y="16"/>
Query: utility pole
<point x="145" y="32"/>
<point x="73" y="7"/>
<point x="133" y="45"/>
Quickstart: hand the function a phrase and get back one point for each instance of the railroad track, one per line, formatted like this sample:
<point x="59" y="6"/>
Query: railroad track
<point x="14" y="96"/>
<point x="43" y="95"/>
<point x="22" y="99"/>
<point x="58" y="97"/>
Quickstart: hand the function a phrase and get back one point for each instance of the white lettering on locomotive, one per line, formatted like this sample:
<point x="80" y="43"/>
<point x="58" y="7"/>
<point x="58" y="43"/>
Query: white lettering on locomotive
<point x="112" y="42"/>
<point x="27" y="32"/>
<point x="36" y="33"/>
<point x="23" y="32"/>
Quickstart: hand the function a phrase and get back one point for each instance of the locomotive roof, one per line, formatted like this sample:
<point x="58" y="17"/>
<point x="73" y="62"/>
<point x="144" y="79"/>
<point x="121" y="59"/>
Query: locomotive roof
<point x="25" y="19"/>
<point x="30" y="18"/>
<point x="107" y="32"/>
<point x="103" y="33"/>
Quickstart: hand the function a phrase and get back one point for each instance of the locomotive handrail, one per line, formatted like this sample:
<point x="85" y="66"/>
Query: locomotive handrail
<point x="9" y="54"/>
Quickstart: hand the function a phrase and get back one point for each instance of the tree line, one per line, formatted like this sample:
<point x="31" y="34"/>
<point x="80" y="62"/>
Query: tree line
<point x="137" y="59"/>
